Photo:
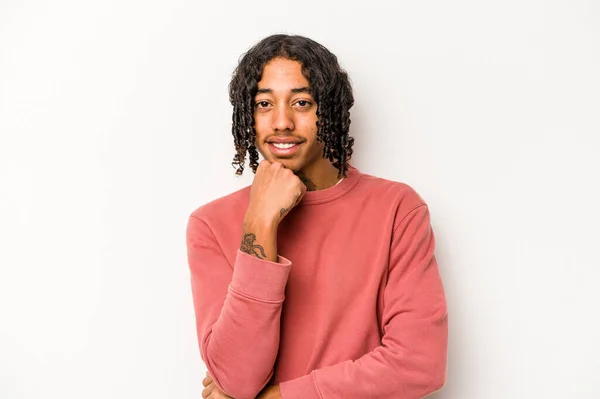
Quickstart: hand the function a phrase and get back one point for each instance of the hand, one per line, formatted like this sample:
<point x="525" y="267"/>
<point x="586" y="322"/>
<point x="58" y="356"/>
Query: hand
<point x="270" y="392"/>
<point x="211" y="390"/>
<point x="275" y="191"/>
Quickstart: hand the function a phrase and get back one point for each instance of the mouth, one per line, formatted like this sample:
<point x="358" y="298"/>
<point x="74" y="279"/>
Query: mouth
<point x="284" y="149"/>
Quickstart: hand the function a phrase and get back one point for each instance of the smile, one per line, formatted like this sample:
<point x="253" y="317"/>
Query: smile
<point x="284" y="145"/>
<point x="282" y="149"/>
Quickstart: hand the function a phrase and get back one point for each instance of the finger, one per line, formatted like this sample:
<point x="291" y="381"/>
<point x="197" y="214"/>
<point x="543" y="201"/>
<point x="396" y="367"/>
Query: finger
<point x="263" y="164"/>
<point x="207" y="391"/>
<point x="207" y="381"/>
<point x="218" y="394"/>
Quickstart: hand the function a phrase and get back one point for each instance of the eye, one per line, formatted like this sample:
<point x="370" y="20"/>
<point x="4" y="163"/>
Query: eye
<point x="262" y="104"/>
<point x="303" y="103"/>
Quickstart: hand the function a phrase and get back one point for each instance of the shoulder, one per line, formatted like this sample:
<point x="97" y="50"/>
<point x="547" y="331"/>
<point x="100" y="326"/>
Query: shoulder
<point x="396" y="193"/>
<point x="219" y="223"/>
<point x="394" y="200"/>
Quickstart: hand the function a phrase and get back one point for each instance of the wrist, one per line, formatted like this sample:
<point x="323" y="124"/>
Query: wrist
<point x="254" y="222"/>
<point x="260" y="238"/>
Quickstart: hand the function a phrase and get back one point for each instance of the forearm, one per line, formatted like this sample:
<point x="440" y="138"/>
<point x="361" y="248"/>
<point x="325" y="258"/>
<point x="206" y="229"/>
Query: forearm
<point x="241" y="346"/>
<point x="238" y="309"/>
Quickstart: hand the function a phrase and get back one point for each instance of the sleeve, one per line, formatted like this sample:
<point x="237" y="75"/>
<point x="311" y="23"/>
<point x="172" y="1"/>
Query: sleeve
<point x="411" y="361"/>
<point x="237" y="311"/>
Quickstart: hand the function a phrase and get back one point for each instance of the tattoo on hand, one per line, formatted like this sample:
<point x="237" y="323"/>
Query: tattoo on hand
<point x="284" y="210"/>
<point x="248" y="246"/>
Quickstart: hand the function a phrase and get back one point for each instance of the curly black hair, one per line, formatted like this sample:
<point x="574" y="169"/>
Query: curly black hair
<point x="329" y="86"/>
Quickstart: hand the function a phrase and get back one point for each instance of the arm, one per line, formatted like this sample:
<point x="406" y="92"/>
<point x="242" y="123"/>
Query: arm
<point x="411" y="361"/>
<point x="237" y="309"/>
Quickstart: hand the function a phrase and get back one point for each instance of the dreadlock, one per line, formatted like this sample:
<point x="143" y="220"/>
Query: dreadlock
<point x="329" y="86"/>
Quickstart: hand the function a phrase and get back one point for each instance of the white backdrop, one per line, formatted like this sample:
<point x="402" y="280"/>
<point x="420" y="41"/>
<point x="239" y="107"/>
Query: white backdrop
<point x="115" y="125"/>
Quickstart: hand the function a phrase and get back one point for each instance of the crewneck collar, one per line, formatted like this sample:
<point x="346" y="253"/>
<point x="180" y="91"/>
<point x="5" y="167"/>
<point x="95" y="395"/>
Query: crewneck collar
<point x="333" y="192"/>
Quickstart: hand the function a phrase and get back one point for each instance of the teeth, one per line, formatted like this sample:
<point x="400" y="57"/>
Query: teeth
<point x="284" y="145"/>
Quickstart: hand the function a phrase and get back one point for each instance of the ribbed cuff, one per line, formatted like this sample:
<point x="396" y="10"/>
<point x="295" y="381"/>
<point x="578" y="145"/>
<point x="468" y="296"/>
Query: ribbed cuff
<point x="300" y="388"/>
<point x="260" y="279"/>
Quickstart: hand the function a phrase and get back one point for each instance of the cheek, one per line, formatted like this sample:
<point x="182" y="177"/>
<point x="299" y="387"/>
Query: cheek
<point x="319" y="147"/>
<point x="259" y="128"/>
<point x="308" y="124"/>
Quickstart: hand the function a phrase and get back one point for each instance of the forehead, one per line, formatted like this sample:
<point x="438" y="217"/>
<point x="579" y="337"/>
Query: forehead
<point x="282" y="74"/>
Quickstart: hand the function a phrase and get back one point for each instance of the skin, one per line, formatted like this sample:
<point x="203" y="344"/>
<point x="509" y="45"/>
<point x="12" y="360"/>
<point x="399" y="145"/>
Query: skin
<point x="212" y="391"/>
<point x="285" y="108"/>
<point x="274" y="193"/>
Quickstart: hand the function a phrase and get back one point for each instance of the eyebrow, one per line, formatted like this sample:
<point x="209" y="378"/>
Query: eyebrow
<point x="294" y="90"/>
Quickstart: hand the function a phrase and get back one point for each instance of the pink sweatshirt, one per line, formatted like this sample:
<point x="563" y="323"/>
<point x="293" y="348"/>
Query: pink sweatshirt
<point x="354" y="307"/>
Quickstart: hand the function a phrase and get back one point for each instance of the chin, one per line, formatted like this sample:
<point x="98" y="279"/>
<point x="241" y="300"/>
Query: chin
<point x="289" y="165"/>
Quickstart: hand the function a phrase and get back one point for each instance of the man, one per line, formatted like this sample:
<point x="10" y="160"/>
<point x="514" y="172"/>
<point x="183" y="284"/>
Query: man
<point x="317" y="281"/>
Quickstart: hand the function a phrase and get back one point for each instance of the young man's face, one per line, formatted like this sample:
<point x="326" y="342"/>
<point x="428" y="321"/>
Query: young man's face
<point x="285" y="112"/>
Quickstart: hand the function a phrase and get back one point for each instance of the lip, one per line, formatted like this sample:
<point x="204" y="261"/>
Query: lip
<point x="283" y="152"/>
<point x="284" y="140"/>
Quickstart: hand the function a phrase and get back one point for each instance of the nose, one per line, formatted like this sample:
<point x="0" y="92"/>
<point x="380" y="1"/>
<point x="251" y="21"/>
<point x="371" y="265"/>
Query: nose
<point x="283" y="118"/>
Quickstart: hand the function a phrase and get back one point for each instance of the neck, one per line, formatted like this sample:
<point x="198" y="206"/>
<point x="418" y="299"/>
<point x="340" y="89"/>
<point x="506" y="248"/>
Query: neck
<point x="319" y="180"/>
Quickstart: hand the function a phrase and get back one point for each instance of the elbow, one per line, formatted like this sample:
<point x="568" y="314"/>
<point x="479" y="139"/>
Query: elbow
<point x="430" y="378"/>
<point x="436" y="381"/>
<point x="238" y="378"/>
